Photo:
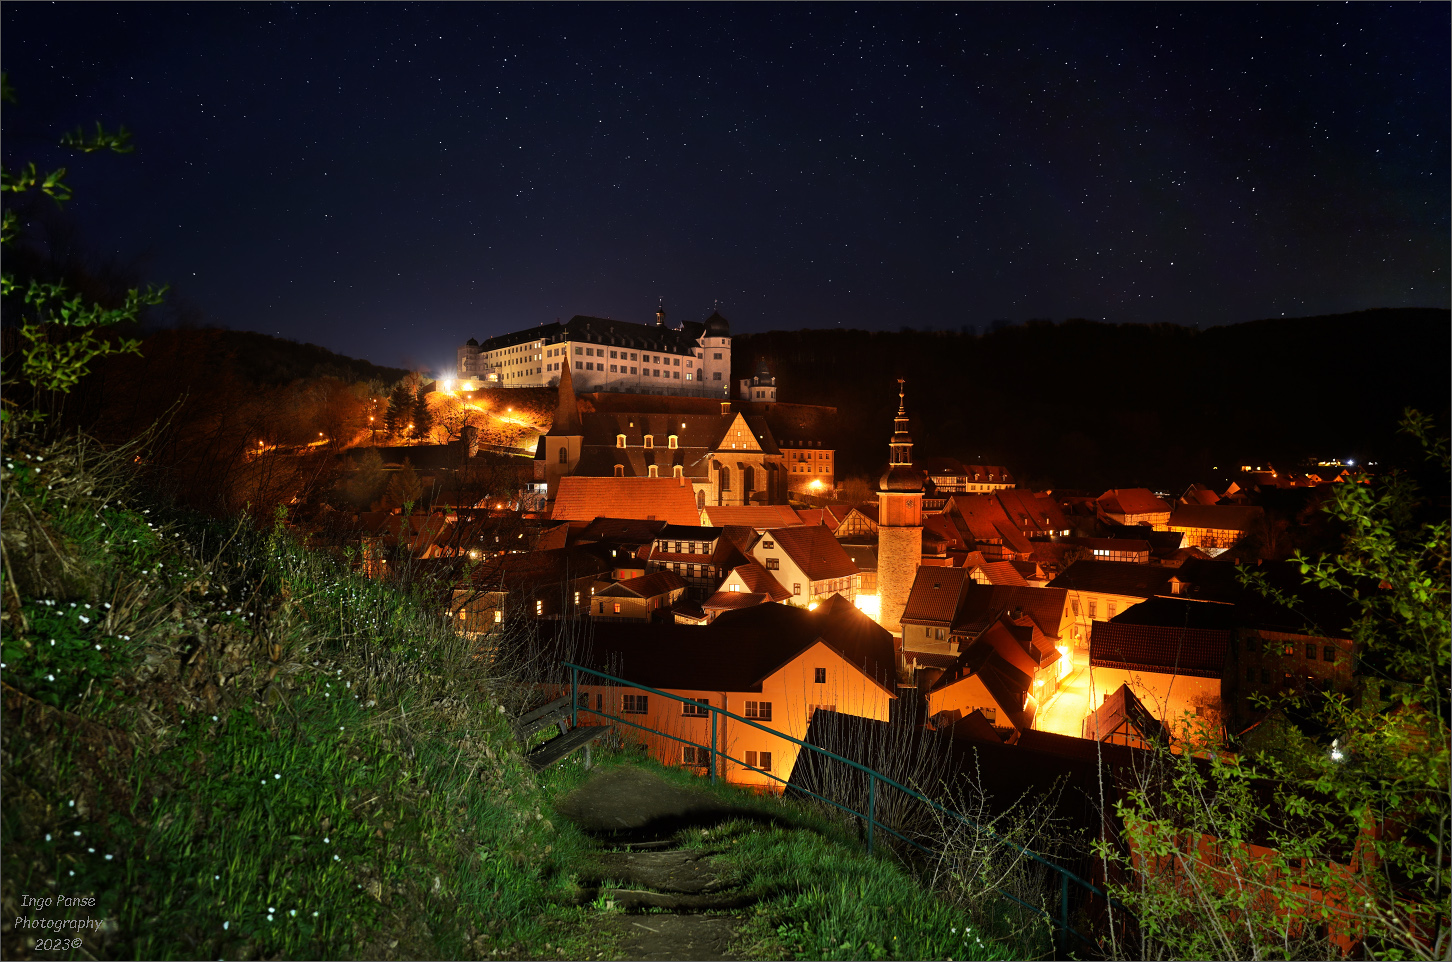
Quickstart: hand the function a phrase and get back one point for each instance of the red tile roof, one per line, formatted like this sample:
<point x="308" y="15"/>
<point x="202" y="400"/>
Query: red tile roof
<point x="1129" y="501"/>
<point x="752" y="516"/>
<point x="727" y="600"/>
<point x="1222" y="517"/>
<point x="1114" y="578"/>
<point x="984" y="603"/>
<point x="1124" y="706"/>
<point x="758" y="579"/>
<point x="815" y="551"/>
<point x="646" y="586"/>
<point x="1002" y="573"/>
<point x="934" y="596"/>
<point x="662" y="499"/>
<point x="1184" y="651"/>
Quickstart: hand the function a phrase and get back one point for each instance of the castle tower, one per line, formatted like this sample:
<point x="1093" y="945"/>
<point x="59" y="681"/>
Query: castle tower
<point x="715" y="363"/>
<point x="559" y="450"/>
<point x="899" y="523"/>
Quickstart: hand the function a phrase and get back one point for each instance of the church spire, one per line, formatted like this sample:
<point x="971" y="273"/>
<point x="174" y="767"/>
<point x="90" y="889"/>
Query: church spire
<point x="567" y="409"/>
<point x="900" y="475"/>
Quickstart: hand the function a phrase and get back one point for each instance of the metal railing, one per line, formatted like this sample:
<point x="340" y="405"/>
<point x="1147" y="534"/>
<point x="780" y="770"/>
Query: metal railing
<point x="1061" y="922"/>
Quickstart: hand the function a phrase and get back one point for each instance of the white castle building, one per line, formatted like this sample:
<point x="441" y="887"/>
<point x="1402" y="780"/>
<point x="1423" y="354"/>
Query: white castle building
<point x="607" y="355"/>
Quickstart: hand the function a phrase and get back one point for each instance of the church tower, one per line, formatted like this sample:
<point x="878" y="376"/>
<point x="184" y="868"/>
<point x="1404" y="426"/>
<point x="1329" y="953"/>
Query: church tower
<point x="559" y="450"/>
<point x="899" y="523"/>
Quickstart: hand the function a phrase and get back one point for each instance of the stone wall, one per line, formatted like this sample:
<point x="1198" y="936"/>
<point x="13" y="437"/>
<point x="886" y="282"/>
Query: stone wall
<point x="899" y="550"/>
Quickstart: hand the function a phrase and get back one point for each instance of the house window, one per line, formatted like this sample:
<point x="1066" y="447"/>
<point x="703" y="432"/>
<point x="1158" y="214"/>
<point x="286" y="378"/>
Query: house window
<point x="617" y="607"/>
<point x="1110" y="612"/>
<point x="1075" y="603"/>
<point x="760" y="710"/>
<point x="632" y="370"/>
<point x="564" y="456"/>
<point x="694" y="756"/>
<point x="819" y="675"/>
<point x="577" y="599"/>
<point x="761" y="761"/>
<point x="716" y="376"/>
<point x="613" y="354"/>
<point x="539" y="607"/>
<point x="773" y="564"/>
<point x="1288" y="650"/>
<point x="635" y="704"/>
<point x="1093" y="608"/>
<point x="632" y="357"/>
<point x="1328" y="653"/>
<point x="579" y="351"/>
<point x="796" y="589"/>
<point x="578" y="365"/>
<point x="1310" y="651"/>
<point x="768" y="544"/>
<point x="733" y="587"/>
<point x="612" y="369"/>
<point x="696" y="709"/>
<point x="498" y="616"/>
<point x="649" y="441"/>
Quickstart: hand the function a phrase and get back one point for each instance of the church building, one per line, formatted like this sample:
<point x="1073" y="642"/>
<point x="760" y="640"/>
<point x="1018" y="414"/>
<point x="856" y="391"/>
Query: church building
<point x="899" y="523"/>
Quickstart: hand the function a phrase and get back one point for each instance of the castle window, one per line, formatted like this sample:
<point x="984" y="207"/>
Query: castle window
<point x="564" y="455"/>
<point x="688" y="376"/>
<point x="718" y="355"/>
<point x="716" y="376"/>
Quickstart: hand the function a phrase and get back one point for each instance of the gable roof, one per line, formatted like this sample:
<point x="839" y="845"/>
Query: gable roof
<point x="1223" y="517"/>
<point x="815" y="551"/>
<point x="1200" y="652"/>
<point x="1007" y="685"/>
<point x="752" y="515"/>
<point x="1131" y="501"/>
<point x="620" y="530"/>
<point x="741" y="648"/>
<point x="1114" y="578"/>
<point x="759" y="580"/>
<point x="1001" y="573"/>
<point x="1121" y="706"/>
<point x="727" y="600"/>
<point x="934" y="595"/>
<point x="864" y="556"/>
<point x="653" y="499"/>
<point x="982" y="604"/>
<point x="646" y="586"/>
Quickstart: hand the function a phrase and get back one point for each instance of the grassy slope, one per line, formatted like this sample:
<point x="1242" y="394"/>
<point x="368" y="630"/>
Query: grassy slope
<point x="239" y="749"/>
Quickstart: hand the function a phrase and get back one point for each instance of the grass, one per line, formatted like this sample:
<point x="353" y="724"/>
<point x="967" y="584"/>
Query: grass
<point x="224" y="745"/>
<point x="236" y="748"/>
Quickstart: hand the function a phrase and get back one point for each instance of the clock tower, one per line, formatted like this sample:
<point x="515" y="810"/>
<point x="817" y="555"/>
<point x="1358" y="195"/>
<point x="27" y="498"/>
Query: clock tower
<point x="899" y="523"/>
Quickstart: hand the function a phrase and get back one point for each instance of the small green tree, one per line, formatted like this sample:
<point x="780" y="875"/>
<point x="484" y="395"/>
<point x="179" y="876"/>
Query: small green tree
<point x="368" y="480"/>
<point x="1341" y="834"/>
<point x="404" y="487"/>
<point x="423" y="418"/>
<point x="400" y="409"/>
<point x="59" y="331"/>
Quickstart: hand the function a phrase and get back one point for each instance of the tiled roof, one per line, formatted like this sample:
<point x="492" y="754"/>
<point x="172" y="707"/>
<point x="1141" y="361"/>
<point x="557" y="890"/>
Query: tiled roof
<point x="1007" y="685"/>
<point x="1120" y="706"/>
<point x="1178" y="613"/>
<point x="984" y="603"/>
<point x="1185" y="651"/>
<point x="816" y="552"/>
<point x="727" y="600"/>
<point x="752" y="515"/>
<point x="653" y="499"/>
<point x="934" y="596"/>
<point x="1132" y="501"/>
<point x="619" y="530"/>
<point x="1223" y="517"/>
<point x="741" y="648"/>
<point x="1114" y="578"/>
<point x="942" y="525"/>
<point x="1031" y="513"/>
<point x="759" y="580"/>
<point x="646" y="586"/>
<point x="532" y="570"/>
<point x="864" y="556"/>
<point x="1199" y="494"/>
<point x="1002" y="573"/>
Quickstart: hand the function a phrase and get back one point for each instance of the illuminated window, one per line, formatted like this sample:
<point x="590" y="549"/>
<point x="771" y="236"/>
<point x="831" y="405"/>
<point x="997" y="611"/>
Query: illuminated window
<point x="796" y="589"/>
<point x="617" y="607"/>
<point x="539" y="607"/>
<point x="650" y="441"/>
<point x="653" y="471"/>
<point x="1288" y="650"/>
<point x="620" y="440"/>
<point x="577" y="597"/>
<point x="733" y="587"/>
<point x="672" y="441"/>
<point x="678" y="471"/>
<point x="498" y="616"/>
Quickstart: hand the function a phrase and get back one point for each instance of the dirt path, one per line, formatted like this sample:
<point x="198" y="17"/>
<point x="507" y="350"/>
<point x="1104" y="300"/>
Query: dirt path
<point x="674" y="902"/>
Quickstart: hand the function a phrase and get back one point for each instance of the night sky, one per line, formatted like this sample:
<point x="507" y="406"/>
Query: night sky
<point x="388" y="180"/>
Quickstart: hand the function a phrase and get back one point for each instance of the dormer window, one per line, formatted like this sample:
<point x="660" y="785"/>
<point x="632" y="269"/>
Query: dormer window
<point x="620" y="470"/>
<point x="678" y="471"/>
<point x="653" y="471"/>
<point x="671" y="442"/>
<point x="649" y="441"/>
<point x="620" y="440"/>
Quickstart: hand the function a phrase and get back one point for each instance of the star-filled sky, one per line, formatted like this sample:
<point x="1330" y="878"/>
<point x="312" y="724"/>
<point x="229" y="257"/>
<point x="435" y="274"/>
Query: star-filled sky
<point x="388" y="180"/>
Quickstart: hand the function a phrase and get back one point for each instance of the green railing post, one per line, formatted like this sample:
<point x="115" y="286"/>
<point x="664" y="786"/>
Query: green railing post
<point x="714" y="716"/>
<point x="871" y="807"/>
<point x="574" y="697"/>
